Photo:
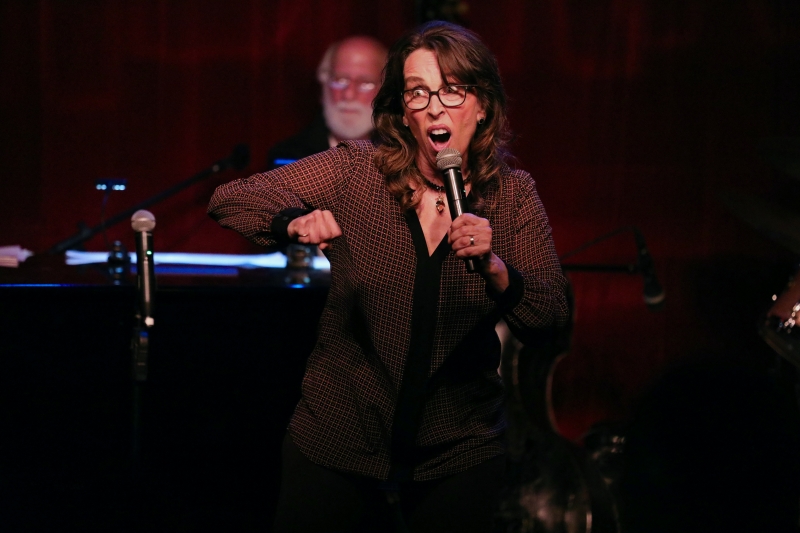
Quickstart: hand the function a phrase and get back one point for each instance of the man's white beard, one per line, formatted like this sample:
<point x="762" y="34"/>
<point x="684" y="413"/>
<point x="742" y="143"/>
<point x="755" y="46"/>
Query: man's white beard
<point x="347" y="120"/>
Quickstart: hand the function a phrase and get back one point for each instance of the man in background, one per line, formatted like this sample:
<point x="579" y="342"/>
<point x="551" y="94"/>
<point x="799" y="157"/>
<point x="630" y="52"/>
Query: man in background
<point x="350" y="75"/>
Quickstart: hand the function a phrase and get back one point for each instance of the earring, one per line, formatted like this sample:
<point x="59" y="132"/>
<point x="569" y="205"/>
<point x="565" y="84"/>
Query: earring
<point x="481" y="121"/>
<point x="405" y="123"/>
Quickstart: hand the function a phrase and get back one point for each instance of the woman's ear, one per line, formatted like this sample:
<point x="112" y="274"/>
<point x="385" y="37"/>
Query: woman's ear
<point x="481" y="113"/>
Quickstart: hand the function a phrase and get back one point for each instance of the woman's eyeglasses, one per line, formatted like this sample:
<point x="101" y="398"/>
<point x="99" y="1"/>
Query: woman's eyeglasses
<point x="449" y="96"/>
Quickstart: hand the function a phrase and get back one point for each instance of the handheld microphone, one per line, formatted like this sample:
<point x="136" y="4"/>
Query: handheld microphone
<point x="143" y="223"/>
<point x="449" y="162"/>
<point x="653" y="292"/>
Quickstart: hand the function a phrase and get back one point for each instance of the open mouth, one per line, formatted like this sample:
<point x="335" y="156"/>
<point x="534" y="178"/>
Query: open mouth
<point x="439" y="137"/>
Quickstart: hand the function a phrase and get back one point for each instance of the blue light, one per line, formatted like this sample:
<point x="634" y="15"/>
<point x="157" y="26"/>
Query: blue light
<point x="114" y="184"/>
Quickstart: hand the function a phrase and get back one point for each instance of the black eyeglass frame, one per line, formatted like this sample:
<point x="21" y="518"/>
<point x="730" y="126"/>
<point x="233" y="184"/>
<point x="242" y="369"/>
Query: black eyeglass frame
<point x="436" y="92"/>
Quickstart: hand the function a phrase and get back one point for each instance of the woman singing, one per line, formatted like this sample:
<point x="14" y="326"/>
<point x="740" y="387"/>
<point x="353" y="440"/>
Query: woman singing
<point x="400" y="424"/>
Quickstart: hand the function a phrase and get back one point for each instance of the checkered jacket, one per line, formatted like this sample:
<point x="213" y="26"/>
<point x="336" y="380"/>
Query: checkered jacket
<point x="349" y="392"/>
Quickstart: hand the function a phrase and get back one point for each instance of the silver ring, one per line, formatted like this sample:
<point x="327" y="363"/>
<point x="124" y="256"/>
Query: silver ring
<point x="303" y="235"/>
<point x="471" y="240"/>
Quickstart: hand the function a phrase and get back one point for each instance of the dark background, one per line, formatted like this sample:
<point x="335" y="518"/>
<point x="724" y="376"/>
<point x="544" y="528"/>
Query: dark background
<point x="627" y="113"/>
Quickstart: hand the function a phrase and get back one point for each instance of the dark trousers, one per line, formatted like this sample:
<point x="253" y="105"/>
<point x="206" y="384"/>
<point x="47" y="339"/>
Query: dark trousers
<point x="320" y="500"/>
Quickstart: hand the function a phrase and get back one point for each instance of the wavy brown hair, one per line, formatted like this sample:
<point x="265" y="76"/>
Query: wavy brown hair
<point x="462" y="58"/>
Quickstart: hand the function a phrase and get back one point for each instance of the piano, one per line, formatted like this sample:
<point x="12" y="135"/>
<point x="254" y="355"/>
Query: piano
<point x="226" y="357"/>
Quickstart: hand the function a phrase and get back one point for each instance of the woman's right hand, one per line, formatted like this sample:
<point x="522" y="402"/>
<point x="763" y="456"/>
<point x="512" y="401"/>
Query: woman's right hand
<point x="317" y="227"/>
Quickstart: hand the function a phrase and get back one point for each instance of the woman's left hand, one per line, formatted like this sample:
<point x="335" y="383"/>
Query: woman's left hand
<point x="470" y="237"/>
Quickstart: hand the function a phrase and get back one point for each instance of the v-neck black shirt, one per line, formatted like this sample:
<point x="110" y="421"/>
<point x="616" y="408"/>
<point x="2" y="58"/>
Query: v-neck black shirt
<point x="414" y="388"/>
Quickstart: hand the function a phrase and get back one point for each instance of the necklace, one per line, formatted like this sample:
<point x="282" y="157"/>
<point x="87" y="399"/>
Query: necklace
<point x="439" y="190"/>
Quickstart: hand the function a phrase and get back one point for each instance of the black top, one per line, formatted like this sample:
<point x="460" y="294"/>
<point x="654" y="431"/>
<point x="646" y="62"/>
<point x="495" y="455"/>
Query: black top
<point x="414" y="390"/>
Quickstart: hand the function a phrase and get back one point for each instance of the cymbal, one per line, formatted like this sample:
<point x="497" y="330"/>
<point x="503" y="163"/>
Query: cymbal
<point x="776" y="222"/>
<point x="783" y="153"/>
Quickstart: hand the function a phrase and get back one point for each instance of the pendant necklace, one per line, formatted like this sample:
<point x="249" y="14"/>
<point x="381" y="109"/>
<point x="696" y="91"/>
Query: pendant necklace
<point x="439" y="190"/>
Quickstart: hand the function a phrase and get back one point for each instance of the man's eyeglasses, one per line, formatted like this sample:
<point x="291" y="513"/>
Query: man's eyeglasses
<point x="449" y="96"/>
<point x="342" y="83"/>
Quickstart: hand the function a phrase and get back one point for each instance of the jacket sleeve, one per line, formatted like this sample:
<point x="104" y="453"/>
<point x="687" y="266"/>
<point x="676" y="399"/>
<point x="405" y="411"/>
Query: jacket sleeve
<point x="540" y="301"/>
<point x="249" y="205"/>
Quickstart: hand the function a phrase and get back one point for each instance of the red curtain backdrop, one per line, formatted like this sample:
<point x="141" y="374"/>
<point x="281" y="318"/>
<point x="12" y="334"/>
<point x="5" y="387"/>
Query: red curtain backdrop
<point x="627" y="112"/>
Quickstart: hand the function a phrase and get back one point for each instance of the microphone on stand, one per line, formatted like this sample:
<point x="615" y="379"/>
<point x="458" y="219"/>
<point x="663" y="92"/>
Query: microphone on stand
<point x="653" y="292"/>
<point x="449" y="162"/>
<point x="143" y="223"/>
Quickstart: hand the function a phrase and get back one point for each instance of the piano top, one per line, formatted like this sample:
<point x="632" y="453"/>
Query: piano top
<point x="82" y="269"/>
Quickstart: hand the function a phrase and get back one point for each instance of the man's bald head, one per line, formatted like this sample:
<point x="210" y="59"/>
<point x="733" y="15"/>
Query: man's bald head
<point x="350" y="74"/>
<point x="365" y="50"/>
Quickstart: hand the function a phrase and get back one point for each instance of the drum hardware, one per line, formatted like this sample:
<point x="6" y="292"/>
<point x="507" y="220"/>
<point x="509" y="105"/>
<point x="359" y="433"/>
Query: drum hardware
<point x="778" y="326"/>
<point x="554" y="484"/>
<point x="789" y="323"/>
<point x="780" y="224"/>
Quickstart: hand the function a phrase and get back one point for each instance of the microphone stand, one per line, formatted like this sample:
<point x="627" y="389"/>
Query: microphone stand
<point x="142" y="223"/>
<point x="633" y="268"/>
<point x="596" y="267"/>
<point x="140" y="348"/>
<point x="238" y="160"/>
<point x="653" y="293"/>
<point x="140" y="481"/>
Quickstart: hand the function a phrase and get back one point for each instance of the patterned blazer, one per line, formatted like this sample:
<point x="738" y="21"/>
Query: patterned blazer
<point x="353" y="376"/>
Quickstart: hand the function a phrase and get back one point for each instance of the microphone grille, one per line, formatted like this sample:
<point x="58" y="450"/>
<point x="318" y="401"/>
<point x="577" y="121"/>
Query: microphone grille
<point x="143" y="220"/>
<point x="448" y="158"/>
